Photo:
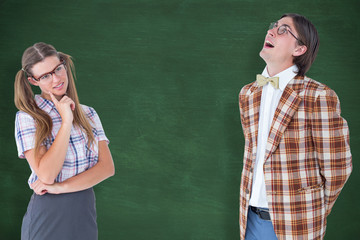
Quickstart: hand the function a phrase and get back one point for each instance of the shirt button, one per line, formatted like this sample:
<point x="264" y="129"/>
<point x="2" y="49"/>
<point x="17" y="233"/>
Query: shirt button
<point x="251" y="169"/>
<point x="247" y="191"/>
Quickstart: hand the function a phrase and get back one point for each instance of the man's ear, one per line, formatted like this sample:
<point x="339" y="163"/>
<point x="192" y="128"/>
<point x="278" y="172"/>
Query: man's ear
<point x="32" y="81"/>
<point x="299" y="50"/>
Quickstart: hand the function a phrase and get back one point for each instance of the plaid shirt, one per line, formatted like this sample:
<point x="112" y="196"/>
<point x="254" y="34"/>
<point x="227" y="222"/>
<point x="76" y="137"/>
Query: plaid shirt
<point x="79" y="157"/>
<point x="307" y="158"/>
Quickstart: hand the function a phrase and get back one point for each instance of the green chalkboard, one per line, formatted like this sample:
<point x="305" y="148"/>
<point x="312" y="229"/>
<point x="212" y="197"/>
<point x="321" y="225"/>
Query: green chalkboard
<point x="164" y="77"/>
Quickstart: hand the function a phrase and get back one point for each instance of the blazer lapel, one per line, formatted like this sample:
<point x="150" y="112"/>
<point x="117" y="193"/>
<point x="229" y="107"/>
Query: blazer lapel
<point x="287" y="107"/>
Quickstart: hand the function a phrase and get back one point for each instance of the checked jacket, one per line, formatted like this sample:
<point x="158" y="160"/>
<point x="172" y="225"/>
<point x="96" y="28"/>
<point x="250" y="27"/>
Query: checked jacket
<point x="307" y="158"/>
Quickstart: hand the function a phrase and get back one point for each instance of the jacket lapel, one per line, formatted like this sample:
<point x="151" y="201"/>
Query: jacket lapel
<point x="287" y="107"/>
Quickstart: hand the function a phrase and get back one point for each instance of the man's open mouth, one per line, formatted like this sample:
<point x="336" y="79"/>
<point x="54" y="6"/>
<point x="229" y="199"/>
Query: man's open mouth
<point x="268" y="44"/>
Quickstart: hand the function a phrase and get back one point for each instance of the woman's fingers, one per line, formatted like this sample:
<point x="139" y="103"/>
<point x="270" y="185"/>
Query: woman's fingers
<point x="55" y="101"/>
<point x="39" y="187"/>
<point x="68" y="101"/>
<point x="65" y="107"/>
<point x="72" y="105"/>
<point x="64" y="99"/>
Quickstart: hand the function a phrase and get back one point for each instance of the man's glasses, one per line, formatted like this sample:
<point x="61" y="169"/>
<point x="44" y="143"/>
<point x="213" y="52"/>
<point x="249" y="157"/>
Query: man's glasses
<point x="59" y="71"/>
<point x="283" y="29"/>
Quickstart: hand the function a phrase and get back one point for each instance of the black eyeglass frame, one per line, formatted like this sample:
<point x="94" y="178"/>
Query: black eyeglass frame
<point x="287" y="29"/>
<point x="62" y="62"/>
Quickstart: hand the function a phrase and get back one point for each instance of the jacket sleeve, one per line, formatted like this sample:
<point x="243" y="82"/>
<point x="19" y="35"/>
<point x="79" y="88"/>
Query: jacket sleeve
<point x="332" y="147"/>
<point x="244" y="107"/>
<point x="241" y="108"/>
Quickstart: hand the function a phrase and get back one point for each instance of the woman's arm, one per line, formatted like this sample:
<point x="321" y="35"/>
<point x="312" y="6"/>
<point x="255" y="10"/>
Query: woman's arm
<point x="103" y="169"/>
<point x="48" y="164"/>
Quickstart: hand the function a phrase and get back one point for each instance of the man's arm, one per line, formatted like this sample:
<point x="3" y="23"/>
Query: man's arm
<point x="331" y="139"/>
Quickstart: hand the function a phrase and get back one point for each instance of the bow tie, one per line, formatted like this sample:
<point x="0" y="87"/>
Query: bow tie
<point x="261" y="80"/>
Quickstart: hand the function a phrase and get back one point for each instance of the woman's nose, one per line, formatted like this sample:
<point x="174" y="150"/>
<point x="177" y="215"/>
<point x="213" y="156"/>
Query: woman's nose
<point x="55" y="77"/>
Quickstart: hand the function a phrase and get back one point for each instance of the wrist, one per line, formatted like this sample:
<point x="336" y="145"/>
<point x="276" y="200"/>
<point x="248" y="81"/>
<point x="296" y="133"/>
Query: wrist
<point x="63" y="187"/>
<point x="66" y="124"/>
<point x="59" y="187"/>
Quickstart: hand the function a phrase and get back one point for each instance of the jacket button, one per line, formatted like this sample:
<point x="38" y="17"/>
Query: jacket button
<point x="247" y="191"/>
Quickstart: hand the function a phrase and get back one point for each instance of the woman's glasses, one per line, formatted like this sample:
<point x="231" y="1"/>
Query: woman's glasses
<point x="59" y="71"/>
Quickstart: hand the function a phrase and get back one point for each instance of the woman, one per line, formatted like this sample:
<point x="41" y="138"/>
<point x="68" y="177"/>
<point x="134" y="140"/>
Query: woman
<point x="64" y="144"/>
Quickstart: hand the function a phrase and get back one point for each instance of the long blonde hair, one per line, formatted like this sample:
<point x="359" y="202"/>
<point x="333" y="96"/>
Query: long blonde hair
<point x="24" y="96"/>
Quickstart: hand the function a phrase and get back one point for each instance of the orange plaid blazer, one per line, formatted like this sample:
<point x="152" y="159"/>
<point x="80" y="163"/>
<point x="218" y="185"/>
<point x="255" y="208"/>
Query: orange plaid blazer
<point x="307" y="159"/>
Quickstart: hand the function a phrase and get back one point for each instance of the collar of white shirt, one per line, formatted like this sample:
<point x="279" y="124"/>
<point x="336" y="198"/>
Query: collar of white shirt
<point x="284" y="77"/>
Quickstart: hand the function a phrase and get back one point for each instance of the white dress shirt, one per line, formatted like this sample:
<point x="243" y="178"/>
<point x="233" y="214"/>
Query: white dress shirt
<point x="270" y="98"/>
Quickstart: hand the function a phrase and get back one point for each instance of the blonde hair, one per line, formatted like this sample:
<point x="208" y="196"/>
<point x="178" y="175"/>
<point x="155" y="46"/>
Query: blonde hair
<point x="24" y="96"/>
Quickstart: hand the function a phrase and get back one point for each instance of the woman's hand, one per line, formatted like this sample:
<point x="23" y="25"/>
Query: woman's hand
<point x="65" y="107"/>
<point x="41" y="188"/>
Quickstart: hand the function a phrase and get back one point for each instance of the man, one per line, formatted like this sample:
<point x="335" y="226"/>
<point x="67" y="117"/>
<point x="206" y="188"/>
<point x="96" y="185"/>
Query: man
<point x="297" y="156"/>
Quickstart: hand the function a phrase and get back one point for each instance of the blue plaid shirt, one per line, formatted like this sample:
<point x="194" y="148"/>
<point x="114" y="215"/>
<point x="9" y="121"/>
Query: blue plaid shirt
<point x="79" y="156"/>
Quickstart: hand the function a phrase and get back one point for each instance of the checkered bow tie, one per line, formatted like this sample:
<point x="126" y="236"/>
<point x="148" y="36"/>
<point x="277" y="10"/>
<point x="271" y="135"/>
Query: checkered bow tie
<point x="261" y="80"/>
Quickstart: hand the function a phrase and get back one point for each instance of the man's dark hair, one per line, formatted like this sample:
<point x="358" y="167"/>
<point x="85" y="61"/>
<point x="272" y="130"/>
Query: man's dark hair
<point x="308" y="36"/>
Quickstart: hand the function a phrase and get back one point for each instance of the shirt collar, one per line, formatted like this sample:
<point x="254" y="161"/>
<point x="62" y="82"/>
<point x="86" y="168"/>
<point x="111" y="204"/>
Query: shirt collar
<point x="284" y="77"/>
<point x="44" y="104"/>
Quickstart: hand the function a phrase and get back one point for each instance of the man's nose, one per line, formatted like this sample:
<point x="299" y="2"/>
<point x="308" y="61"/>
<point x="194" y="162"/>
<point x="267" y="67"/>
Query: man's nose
<point x="272" y="31"/>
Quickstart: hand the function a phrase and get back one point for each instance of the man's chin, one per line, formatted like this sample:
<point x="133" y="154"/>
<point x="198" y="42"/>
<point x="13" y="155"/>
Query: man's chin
<point x="264" y="55"/>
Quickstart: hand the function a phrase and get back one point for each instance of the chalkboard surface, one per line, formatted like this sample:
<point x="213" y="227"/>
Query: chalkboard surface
<point x="164" y="77"/>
